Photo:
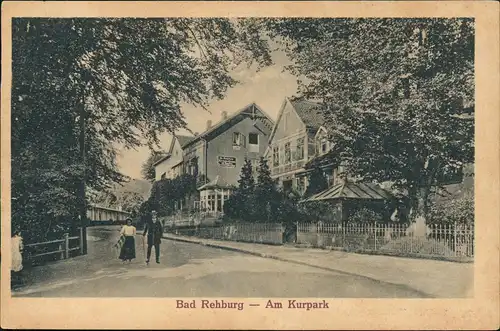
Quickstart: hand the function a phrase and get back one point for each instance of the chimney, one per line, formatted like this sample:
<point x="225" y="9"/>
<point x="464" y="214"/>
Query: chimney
<point x="209" y="124"/>
<point x="224" y="115"/>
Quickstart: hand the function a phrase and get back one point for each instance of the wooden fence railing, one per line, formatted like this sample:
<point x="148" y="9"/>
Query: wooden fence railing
<point x="57" y="249"/>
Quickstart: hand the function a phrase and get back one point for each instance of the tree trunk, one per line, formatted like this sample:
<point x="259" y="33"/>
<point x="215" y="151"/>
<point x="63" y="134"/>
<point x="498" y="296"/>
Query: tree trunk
<point x="422" y="206"/>
<point x="419" y="227"/>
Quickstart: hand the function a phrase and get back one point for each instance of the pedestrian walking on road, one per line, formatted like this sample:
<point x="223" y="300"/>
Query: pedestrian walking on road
<point x="17" y="257"/>
<point x="154" y="231"/>
<point x="128" y="231"/>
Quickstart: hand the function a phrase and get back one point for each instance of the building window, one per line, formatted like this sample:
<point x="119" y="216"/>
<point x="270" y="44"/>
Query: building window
<point x="323" y="146"/>
<point x="276" y="156"/>
<point x="211" y="202"/>
<point x="253" y="139"/>
<point x="253" y="142"/>
<point x="193" y="166"/>
<point x="219" y="202"/>
<point x="287" y="153"/>
<point x="300" y="149"/>
<point x="300" y="184"/>
<point x="238" y="139"/>
<point x="287" y="186"/>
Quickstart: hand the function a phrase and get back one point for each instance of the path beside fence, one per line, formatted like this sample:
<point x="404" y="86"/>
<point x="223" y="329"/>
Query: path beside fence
<point x="439" y="279"/>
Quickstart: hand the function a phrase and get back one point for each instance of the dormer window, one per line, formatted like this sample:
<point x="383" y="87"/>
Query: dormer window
<point x="321" y="142"/>
<point x="322" y="146"/>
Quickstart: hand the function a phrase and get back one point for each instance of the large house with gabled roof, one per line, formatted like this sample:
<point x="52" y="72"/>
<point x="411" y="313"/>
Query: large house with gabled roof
<point x="171" y="165"/>
<point x="218" y="154"/>
<point x="297" y="138"/>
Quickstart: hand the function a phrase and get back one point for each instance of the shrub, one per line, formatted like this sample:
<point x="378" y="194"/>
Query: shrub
<point x="320" y="211"/>
<point x="459" y="210"/>
<point x="425" y="246"/>
<point x="366" y="215"/>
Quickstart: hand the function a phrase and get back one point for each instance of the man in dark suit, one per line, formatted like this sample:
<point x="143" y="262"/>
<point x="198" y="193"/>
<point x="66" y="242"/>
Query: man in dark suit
<point x="154" y="231"/>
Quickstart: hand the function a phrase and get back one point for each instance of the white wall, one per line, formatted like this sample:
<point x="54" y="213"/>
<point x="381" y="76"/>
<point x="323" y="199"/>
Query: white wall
<point x="166" y="165"/>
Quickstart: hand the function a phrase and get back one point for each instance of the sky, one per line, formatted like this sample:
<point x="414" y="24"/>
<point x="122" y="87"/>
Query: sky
<point x="267" y="88"/>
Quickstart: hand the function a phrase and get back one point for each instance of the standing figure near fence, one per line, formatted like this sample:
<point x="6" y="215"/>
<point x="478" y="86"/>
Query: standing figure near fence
<point x="128" y="231"/>
<point x="17" y="257"/>
<point x="154" y="231"/>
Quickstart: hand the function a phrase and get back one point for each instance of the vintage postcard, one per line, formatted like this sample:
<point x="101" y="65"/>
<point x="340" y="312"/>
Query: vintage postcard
<point x="250" y="165"/>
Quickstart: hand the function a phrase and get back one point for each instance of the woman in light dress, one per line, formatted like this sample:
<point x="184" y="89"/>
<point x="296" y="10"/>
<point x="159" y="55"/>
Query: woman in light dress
<point x="17" y="257"/>
<point x="127" y="252"/>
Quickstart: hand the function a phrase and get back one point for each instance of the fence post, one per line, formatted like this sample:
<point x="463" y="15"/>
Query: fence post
<point x="375" y="233"/>
<point x="62" y="251"/>
<point x="411" y="240"/>
<point x="66" y="245"/>
<point x="455" y="238"/>
<point x="297" y="232"/>
<point x="317" y="234"/>
<point x="342" y="224"/>
<point x="81" y="241"/>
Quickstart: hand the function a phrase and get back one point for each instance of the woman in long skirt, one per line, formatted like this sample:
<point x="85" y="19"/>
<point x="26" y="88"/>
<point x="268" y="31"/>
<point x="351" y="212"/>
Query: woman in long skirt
<point x="17" y="258"/>
<point x="127" y="252"/>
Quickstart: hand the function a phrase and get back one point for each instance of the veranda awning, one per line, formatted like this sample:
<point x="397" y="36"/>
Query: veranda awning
<point x="350" y="190"/>
<point x="217" y="183"/>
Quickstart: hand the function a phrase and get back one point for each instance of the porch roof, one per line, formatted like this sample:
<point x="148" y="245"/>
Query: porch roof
<point x="351" y="190"/>
<point x="218" y="182"/>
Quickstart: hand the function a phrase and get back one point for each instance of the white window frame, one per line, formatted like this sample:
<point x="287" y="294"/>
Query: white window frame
<point x="276" y="156"/>
<point x="300" y="156"/>
<point x="323" y="142"/>
<point x="238" y="139"/>
<point x="256" y="135"/>
<point x="287" y="159"/>
<point x="253" y="148"/>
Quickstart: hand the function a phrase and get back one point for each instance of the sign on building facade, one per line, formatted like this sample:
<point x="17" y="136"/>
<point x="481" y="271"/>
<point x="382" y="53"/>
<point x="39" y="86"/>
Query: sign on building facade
<point x="226" y="161"/>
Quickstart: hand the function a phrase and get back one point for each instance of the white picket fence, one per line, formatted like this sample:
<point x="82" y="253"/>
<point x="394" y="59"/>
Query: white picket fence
<point x="449" y="240"/>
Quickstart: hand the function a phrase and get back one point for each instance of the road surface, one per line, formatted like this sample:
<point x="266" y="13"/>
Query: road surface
<point x="191" y="270"/>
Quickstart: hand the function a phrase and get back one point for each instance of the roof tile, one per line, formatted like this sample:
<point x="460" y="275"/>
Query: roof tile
<point x="310" y="112"/>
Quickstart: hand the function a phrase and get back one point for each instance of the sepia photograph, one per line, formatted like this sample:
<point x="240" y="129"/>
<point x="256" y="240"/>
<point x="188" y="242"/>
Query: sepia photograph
<point x="216" y="160"/>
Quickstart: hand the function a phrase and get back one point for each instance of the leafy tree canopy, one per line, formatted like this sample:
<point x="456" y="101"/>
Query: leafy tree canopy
<point x="394" y="93"/>
<point x="166" y="192"/>
<point x="126" y="78"/>
<point x="148" y="169"/>
<point x="266" y="194"/>
<point x="317" y="182"/>
<point x="240" y="204"/>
